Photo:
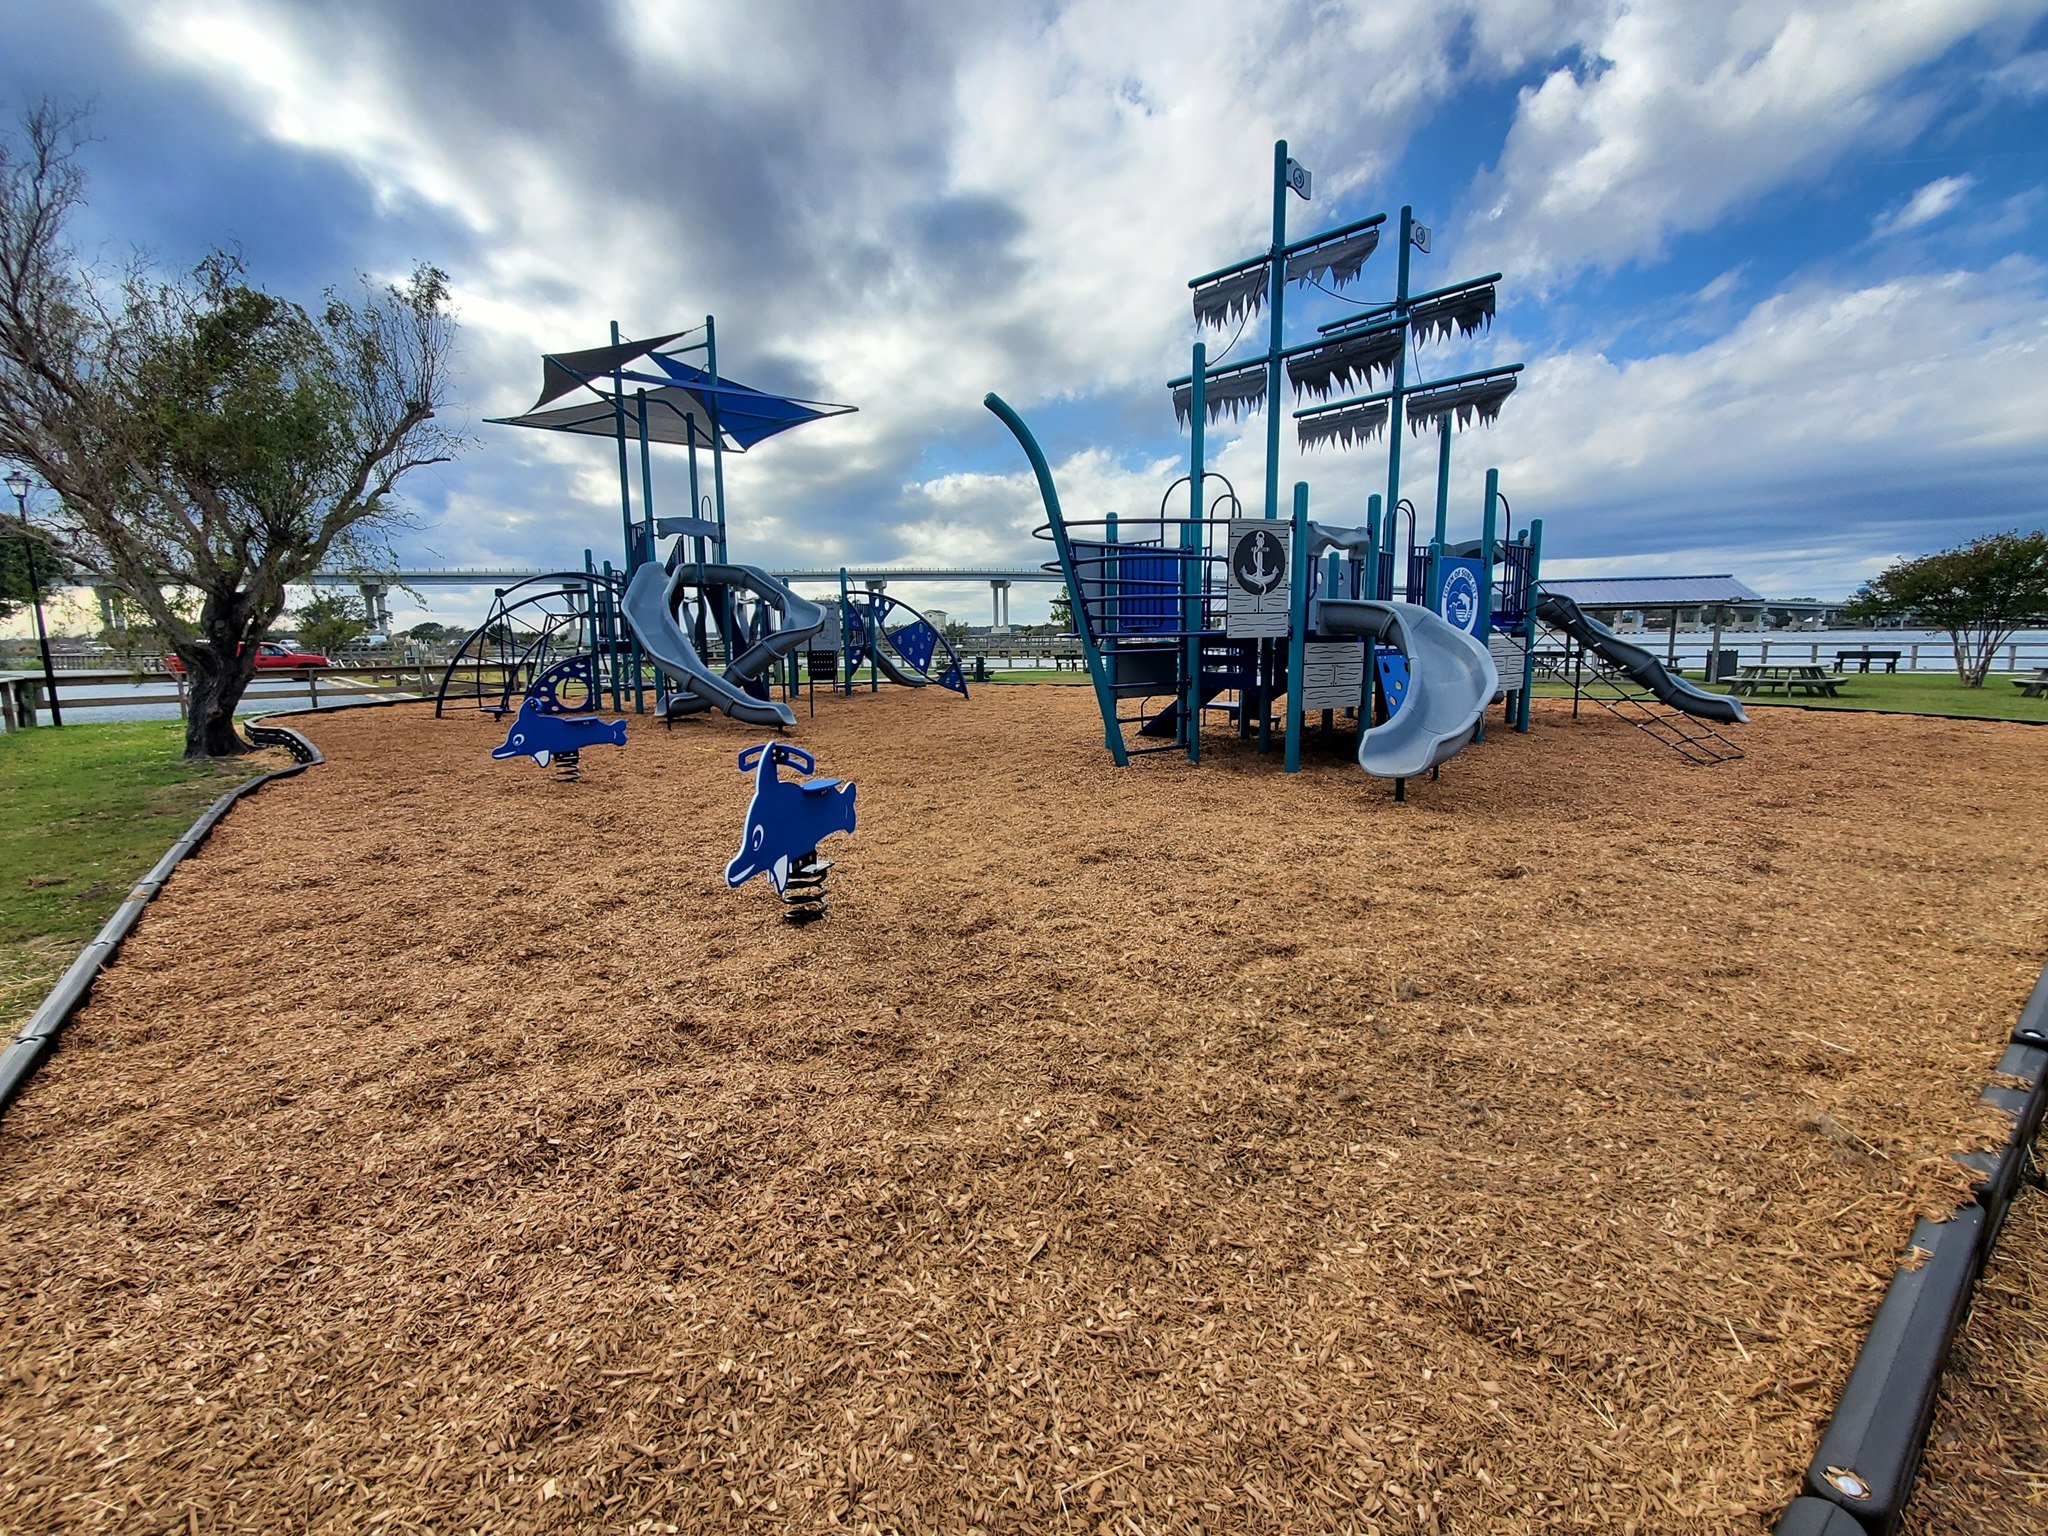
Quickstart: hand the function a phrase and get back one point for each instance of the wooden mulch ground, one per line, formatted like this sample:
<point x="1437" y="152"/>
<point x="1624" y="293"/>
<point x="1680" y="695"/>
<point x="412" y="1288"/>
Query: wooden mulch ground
<point x="1136" y="1151"/>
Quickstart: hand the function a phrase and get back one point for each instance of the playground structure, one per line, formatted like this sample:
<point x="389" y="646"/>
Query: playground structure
<point x="708" y="632"/>
<point x="1210" y="609"/>
<point x="1181" y="615"/>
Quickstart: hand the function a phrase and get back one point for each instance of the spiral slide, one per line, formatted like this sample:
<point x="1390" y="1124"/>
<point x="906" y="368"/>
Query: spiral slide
<point x="650" y="611"/>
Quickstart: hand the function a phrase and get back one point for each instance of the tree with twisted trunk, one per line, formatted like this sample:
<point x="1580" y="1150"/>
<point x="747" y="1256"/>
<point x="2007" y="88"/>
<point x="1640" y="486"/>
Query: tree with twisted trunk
<point x="205" y="437"/>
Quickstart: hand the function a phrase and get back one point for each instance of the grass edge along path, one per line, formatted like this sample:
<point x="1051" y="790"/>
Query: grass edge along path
<point x="85" y="810"/>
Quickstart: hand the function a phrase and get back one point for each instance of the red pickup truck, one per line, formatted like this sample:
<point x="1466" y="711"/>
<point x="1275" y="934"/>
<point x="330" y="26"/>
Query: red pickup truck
<point x="269" y="654"/>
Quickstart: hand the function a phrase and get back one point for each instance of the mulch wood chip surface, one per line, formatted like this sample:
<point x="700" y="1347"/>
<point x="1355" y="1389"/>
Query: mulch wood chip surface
<point x="1161" y="1149"/>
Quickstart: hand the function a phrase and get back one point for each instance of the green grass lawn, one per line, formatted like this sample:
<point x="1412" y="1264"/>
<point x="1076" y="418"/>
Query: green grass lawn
<point x="85" y="810"/>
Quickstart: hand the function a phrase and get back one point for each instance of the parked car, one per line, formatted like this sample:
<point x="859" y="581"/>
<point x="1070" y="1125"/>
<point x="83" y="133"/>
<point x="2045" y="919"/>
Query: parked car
<point x="269" y="654"/>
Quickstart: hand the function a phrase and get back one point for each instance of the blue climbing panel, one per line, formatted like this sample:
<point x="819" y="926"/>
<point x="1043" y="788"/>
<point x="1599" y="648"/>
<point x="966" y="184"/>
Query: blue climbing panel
<point x="1393" y="678"/>
<point x="544" y="693"/>
<point x="914" y="643"/>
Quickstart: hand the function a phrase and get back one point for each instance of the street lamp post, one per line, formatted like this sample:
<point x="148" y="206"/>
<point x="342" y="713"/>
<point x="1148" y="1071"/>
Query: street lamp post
<point x="18" y="483"/>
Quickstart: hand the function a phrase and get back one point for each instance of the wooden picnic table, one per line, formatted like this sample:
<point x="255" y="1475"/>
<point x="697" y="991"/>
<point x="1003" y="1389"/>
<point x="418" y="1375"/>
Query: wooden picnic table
<point x="1786" y="677"/>
<point x="1864" y="658"/>
<point x="2033" y="687"/>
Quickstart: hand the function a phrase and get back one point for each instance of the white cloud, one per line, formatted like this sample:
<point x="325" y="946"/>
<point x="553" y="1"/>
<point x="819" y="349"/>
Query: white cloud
<point x="1681" y="115"/>
<point x="1924" y="206"/>
<point x="906" y="206"/>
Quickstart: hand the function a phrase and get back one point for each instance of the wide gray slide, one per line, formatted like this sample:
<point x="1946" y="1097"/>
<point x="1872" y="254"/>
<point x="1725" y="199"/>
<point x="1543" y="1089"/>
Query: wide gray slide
<point x="1561" y="612"/>
<point x="653" y="597"/>
<point x="1451" y="680"/>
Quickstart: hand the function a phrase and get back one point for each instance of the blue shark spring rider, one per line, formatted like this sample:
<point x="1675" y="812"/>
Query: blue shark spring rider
<point x="543" y="729"/>
<point x="786" y="820"/>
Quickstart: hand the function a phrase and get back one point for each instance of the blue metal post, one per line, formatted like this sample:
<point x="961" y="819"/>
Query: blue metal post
<point x="1297" y="625"/>
<point x="1193" y="571"/>
<point x="1529" y="621"/>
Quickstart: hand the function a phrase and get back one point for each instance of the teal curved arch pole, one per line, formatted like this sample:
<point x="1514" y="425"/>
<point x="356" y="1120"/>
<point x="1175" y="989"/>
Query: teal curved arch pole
<point x="1112" y="735"/>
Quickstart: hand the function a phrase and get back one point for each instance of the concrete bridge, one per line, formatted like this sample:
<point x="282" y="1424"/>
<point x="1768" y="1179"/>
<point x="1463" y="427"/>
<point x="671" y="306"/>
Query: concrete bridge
<point x="375" y="586"/>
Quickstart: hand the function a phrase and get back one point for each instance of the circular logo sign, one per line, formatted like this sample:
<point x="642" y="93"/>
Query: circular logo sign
<point x="1460" y="603"/>
<point x="1259" y="563"/>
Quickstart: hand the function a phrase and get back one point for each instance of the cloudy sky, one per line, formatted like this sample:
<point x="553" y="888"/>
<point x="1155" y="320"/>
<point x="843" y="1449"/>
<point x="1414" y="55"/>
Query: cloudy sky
<point x="1776" y="269"/>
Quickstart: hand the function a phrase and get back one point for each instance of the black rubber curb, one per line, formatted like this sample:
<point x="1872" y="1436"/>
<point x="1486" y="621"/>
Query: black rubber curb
<point x="1870" y="1452"/>
<point x="1910" y="714"/>
<point x="38" y="1037"/>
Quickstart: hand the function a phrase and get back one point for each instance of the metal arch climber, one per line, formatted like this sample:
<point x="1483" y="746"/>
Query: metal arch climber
<point x="531" y="629"/>
<point x="915" y="653"/>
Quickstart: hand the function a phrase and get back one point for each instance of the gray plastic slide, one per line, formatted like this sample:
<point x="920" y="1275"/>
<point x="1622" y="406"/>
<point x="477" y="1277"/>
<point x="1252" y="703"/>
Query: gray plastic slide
<point x="1451" y="680"/>
<point x="1561" y="612"/>
<point x="650" y="610"/>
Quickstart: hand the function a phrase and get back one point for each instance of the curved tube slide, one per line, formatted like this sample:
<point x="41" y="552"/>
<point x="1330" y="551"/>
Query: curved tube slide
<point x="1561" y="612"/>
<point x="650" y="606"/>
<point x="1451" y="680"/>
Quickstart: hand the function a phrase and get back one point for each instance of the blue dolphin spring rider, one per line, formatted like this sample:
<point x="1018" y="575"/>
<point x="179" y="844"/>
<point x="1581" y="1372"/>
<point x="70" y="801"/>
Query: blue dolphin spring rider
<point x="558" y="739"/>
<point x="786" y="820"/>
<point x="544" y="730"/>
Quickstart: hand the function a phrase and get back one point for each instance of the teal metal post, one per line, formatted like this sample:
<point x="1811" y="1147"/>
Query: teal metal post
<point x="1193" y="570"/>
<point x="646" y="476"/>
<point x="1112" y="733"/>
<point x="1276" y="289"/>
<point x="697" y="543"/>
<point x="1112" y="579"/>
<point x="1377" y="528"/>
<point x="611" y="650"/>
<point x="1488" y="522"/>
<point x="625" y="474"/>
<point x="1297" y="625"/>
<point x="1395" y="425"/>
<point x="1443" y="479"/>
<point x="1535" y="531"/>
<point x="645" y="544"/>
<point x="845" y="637"/>
<point x="717" y="437"/>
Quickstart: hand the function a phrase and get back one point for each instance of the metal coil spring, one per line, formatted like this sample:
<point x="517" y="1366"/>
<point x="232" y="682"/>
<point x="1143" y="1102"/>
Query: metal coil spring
<point x="803" y="893"/>
<point x="568" y="767"/>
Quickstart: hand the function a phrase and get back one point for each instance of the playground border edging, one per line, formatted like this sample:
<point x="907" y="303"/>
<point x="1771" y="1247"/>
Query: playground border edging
<point x="38" y="1037"/>
<point x="1869" y="1454"/>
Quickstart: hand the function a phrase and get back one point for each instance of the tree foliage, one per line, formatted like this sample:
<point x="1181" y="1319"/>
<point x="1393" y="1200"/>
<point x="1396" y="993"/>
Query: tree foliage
<point x="330" y="622"/>
<point x="18" y="548"/>
<point x="1981" y="593"/>
<point x="205" y="436"/>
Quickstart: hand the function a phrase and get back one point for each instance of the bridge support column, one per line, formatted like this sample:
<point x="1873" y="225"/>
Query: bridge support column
<point x="376" y="607"/>
<point x="999" y="600"/>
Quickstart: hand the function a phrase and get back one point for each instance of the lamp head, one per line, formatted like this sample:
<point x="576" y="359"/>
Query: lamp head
<point x="18" y="484"/>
